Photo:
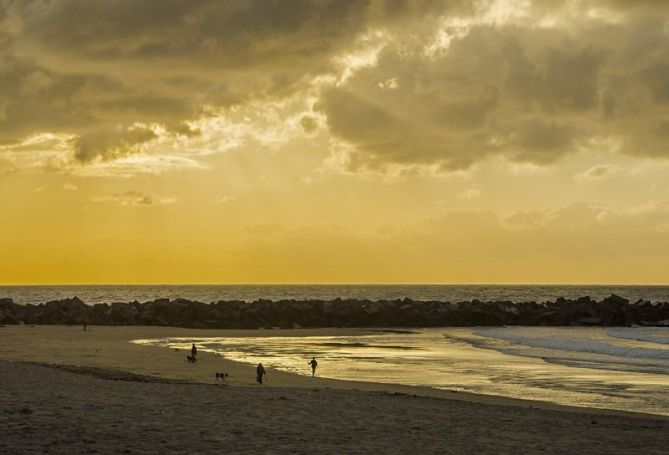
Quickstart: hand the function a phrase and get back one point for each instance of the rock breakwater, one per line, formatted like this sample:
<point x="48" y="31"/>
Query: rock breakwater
<point x="611" y="311"/>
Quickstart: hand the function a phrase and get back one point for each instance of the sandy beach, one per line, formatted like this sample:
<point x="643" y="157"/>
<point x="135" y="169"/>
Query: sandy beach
<point x="68" y="391"/>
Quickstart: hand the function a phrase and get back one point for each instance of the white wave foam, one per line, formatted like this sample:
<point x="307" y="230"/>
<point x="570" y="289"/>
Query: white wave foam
<point x="658" y="335"/>
<point x="574" y="340"/>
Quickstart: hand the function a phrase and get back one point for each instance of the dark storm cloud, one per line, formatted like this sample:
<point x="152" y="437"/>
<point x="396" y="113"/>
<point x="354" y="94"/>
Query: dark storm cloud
<point x="108" y="144"/>
<point x="484" y="96"/>
<point x="309" y="124"/>
<point x="530" y="93"/>
<point x="517" y="88"/>
<point x="76" y="66"/>
<point x="79" y="66"/>
<point x="217" y="35"/>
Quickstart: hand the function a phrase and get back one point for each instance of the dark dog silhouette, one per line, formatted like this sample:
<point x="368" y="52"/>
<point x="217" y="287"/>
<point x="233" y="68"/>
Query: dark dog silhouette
<point x="191" y="359"/>
<point x="222" y="376"/>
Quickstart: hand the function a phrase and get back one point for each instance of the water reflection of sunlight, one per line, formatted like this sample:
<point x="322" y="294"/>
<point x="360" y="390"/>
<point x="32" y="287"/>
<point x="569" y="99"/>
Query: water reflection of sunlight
<point x="569" y="366"/>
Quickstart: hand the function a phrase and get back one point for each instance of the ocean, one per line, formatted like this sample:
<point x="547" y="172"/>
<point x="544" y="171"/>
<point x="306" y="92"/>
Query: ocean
<point x="622" y="368"/>
<point x="93" y="294"/>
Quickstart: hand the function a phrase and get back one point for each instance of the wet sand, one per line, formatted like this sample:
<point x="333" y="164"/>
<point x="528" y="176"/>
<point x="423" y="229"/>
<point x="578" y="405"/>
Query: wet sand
<point x="102" y="394"/>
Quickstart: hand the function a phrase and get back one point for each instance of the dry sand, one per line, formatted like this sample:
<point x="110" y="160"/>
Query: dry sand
<point x="164" y="405"/>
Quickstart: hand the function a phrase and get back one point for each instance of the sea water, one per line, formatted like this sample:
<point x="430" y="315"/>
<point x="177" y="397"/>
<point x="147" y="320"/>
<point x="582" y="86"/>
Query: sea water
<point x="93" y="294"/>
<point x="613" y="368"/>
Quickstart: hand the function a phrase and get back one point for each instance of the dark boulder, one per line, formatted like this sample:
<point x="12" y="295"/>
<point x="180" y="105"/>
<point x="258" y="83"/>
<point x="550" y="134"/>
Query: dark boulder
<point x="613" y="310"/>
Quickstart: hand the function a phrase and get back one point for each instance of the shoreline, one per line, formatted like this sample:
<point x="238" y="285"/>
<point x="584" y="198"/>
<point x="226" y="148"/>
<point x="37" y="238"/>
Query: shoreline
<point x="68" y="391"/>
<point x="109" y="352"/>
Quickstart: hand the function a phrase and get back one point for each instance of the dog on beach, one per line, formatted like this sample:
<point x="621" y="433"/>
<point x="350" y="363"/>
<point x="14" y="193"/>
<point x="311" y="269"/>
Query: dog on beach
<point x="191" y="359"/>
<point x="222" y="376"/>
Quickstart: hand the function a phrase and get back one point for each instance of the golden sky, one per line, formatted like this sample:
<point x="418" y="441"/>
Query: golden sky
<point x="327" y="141"/>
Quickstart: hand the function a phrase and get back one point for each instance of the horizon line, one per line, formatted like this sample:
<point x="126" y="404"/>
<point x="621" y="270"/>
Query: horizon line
<point x="327" y="284"/>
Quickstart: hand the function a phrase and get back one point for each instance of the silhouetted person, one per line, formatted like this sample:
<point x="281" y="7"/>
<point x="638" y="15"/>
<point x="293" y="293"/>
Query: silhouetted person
<point x="193" y="351"/>
<point x="260" y="372"/>
<point x="313" y="364"/>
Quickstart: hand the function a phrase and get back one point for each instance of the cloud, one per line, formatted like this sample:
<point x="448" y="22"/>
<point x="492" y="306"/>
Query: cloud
<point x="452" y="111"/>
<point x="109" y="144"/>
<point x="579" y="230"/>
<point x="470" y="193"/>
<point x="136" y="199"/>
<point x="508" y="86"/>
<point x="389" y="84"/>
<point x="597" y="172"/>
<point x="203" y="33"/>
<point x="165" y="61"/>
<point x="578" y="243"/>
<point x="75" y="67"/>
<point x="309" y="123"/>
<point x="435" y="84"/>
<point x="224" y="200"/>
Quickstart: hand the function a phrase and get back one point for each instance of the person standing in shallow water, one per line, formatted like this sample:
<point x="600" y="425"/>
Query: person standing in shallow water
<point x="193" y="351"/>
<point x="313" y="364"/>
<point x="260" y="372"/>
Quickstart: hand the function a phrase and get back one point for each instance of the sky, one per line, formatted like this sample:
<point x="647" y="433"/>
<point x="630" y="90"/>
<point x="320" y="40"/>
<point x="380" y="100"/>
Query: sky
<point x="371" y="141"/>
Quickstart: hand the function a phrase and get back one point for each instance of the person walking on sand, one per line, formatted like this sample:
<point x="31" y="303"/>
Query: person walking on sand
<point x="313" y="364"/>
<point x="260" y="372"/>
<point x="193" y="351"/>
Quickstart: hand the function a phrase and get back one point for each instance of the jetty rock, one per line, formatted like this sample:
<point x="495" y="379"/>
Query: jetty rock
<point x="611" y="311"/>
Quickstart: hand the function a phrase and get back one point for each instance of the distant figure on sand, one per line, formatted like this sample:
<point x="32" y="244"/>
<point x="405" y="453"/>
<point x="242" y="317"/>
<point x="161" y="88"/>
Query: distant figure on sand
<point x="260" y="372"/>
<point x="193" y="351"/>
<point x="313" y="364"/>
